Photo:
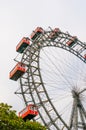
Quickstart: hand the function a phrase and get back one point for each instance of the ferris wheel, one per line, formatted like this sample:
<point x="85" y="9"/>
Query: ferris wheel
<point x="55" y="78"/>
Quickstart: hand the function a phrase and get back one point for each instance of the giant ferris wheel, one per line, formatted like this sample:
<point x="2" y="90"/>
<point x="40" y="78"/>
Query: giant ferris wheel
<point x="55" y="78"/>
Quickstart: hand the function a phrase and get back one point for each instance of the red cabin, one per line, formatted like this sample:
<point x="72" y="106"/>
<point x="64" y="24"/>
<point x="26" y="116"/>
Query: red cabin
<point x="22" y="45"/>
<point x="29" y="112"/>
<point x="36" y="33"/>
<point x="53" y="33"/>
<point x="71" y="41"/>
<point x="85" y="56"/>
<point x="17" y="71"/>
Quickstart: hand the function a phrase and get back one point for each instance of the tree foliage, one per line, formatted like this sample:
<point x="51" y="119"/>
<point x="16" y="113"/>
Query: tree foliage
<point x="10" y="121"/>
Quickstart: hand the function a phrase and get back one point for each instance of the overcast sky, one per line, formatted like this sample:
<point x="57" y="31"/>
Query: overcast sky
<point x="19" y="18"/>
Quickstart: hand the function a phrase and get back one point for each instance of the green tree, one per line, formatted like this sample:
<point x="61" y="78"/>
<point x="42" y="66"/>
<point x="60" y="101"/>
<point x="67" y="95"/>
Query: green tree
<point x="10" y="121"/>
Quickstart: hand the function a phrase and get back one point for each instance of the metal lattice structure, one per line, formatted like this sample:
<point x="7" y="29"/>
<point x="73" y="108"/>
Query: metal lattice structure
<point x="33" y="87"/>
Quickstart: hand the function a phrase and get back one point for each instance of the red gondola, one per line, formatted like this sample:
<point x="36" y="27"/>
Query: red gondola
<point x="71" y="41"/>
<point x="29" y="112"/>
<point x="22" y="45"/>
<point x="17" y="71"/>
<point x="36" y="33"/>
<point x="53" y="33"/>
<point x="84" y="56"/>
